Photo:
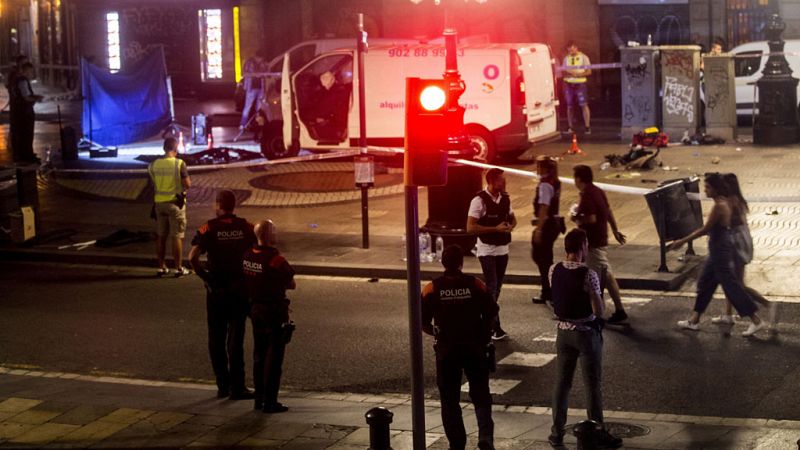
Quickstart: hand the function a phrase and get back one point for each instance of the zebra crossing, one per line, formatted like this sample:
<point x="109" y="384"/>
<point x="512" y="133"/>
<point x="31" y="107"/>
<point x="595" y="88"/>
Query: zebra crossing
<point x="536" y="360"/>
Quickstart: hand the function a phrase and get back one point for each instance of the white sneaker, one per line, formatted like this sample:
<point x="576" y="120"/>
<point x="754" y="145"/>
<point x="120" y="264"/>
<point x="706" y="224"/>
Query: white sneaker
<point x="753" y="328"/>
<point x="723" y="320"/>
<point x="685" y="324"/>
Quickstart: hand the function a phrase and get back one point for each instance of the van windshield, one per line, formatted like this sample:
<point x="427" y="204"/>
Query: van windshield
<point x="747" y="63"/>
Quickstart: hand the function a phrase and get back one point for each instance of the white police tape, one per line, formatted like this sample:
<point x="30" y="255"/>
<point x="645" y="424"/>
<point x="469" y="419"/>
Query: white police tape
<point x="236" y="165"/>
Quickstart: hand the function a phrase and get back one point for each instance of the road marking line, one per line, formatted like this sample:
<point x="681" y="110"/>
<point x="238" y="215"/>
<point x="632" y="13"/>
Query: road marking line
<point x="545" y="337"/>
<point x="636" y="300"/>
<point x="528" y="359"/>
<point x="497" y="386"/>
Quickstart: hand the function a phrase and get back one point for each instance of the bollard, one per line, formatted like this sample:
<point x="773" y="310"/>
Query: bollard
<point x="378" y="419"/>
<point x="587" y="432"/>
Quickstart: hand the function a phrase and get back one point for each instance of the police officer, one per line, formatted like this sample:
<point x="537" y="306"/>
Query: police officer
<point x="268" y="276"/>
<point x="463" y="313"/>
<point x="225" y="239"/>
<point x="548" y="224"/>
<point x="170" y="181"/>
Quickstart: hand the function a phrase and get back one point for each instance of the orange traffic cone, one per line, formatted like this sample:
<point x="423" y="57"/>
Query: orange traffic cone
<point x="574" y="150"/>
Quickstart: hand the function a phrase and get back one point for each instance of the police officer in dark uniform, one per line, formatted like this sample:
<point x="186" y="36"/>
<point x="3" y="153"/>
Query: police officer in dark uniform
<point x="547" y="223"/>
<point x="225" y="239"/>
<point x="268" y="276"/>
<point x="463" y="312"/>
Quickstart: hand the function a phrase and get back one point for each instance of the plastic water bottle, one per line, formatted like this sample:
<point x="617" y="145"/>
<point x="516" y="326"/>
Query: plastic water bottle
<point x="425" y="247"/>
<point x="439" y="248"/>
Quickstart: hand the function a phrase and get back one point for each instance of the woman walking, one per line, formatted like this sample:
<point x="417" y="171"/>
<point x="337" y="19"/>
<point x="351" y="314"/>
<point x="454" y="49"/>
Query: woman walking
<point x="743" y="246"/>
<point x="720" y="267"/>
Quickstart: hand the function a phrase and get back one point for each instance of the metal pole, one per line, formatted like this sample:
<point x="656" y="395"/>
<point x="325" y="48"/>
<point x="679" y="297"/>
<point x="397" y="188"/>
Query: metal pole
<point x="710" y="24"/>
<point x="362" y="125"/>
<point x="415" y="319"/>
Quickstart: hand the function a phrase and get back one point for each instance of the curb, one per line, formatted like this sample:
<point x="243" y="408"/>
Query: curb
<point x="657" y="282"/>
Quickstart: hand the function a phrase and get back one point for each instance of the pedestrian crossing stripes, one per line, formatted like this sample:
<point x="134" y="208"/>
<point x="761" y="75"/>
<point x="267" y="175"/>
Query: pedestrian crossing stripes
<point x="497" y="386"/>
<point x="527" y="359"/>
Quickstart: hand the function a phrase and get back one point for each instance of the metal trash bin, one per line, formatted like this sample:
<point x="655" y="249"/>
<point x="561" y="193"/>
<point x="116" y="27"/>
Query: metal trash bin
<point x="676" y="210"/>
<point x="9" y="202"/>
<point x="448" y="206"/>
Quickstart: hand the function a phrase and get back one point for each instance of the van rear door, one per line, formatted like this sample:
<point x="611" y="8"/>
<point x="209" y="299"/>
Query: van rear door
<point x="540" y="93"/>
<point x="287" y="109"/>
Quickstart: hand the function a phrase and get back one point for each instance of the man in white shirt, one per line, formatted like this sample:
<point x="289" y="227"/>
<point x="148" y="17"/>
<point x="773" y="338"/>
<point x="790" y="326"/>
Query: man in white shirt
<point x="490" y="217"/>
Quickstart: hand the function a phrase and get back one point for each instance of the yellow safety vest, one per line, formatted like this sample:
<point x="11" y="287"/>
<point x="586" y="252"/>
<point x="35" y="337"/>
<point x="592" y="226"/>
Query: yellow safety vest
<point x="578" y="60"/>
<point x="166" y="176"/>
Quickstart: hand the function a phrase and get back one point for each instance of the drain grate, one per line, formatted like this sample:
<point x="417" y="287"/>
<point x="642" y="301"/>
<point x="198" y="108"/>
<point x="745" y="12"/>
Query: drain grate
<point x="621" y="430"/>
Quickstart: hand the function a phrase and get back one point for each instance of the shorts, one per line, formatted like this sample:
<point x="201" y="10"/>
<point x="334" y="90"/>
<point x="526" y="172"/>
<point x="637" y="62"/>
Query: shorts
<point x="170" y="220"/>
<point x="597" y="260"/>
<point x="576" y="93"/>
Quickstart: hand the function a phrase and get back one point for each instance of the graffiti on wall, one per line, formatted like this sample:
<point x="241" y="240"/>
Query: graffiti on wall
<point x="679" y="63"/>
<point x="665" y="30"/>
<point x="678" y="98"/>
<point x="717" y="92"/>
<point x="637" y="110"/>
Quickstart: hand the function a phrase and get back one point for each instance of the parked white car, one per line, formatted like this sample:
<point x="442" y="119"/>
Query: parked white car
<point x="749" y="62"/>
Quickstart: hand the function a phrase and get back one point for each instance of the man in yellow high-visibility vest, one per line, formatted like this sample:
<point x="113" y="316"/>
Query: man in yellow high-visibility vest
<point x="170" y="181"/>
<point x="575" y="86"/>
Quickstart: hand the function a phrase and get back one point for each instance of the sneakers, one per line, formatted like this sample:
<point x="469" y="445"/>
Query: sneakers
<point x="722" y="320"/>
<point x="556" y="440"/>
<point x="483" y="445"/>
<point x="162" y="271"/>
<point x="618" y="316"/>
<point x="685" y="324"/>
<point x="245" y="394"/>
<point x="588" y="132"/>
<point x="570" y="131"/>
<point x="753" y="328"/>
<point x="181" y="272"/>
<point x="608" y="440"/>
<point x="499" y="334"/>
<point x="539" y="300"/>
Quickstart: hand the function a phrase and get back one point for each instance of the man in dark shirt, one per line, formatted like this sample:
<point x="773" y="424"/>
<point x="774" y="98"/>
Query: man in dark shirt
<point x="594" y="215"/>
<point x="460" y="311"/>
<point x="268" y="276"/>
<point x="578" y="306"/>
<point x="225" y="239"/>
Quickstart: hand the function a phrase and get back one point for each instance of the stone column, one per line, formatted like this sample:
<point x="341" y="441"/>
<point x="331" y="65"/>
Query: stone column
<point x="680" y="82"/>
<point x="639" y="97"/>
<point x="720" y="96"/>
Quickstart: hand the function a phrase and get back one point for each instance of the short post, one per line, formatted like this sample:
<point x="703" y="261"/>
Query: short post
<point x="378" y="419"/>
<point x="587" y="432"/>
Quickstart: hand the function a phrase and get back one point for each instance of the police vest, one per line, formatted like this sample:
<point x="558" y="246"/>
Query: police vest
<point x="572" y="61"/>
<point x="226" y="239"/>
<point x="166" y="175"/>
<point x="457" y="310"/>
<point x="496" y="213"/>
<point x="552" y="209"/>
<point x="266" y="285"/>
<point x="570" y="300"/>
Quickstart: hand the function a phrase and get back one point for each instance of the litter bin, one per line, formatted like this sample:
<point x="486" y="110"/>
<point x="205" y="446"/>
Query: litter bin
<point x="8" y="191"/>
<point x="27" y="188"/>
<point x="675" y="214"/>
<point x="448" y="206"/>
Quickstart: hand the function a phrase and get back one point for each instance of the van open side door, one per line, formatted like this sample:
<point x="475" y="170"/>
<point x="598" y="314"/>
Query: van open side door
<point x="287" y="106"/>
<point x="540" y="92"/>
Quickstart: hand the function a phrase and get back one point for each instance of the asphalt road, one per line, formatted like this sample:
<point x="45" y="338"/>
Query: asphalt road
<point x="352" y="336"/>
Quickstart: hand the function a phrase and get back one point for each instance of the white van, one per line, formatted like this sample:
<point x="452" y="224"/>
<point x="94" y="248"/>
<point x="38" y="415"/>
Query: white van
<point x="510" y="97"/>
<point x="749" y="61"/>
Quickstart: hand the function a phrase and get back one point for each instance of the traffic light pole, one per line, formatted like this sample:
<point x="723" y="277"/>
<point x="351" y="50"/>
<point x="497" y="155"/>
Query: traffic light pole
<point x="362" y="124"/>
<point x="415" y="318"/>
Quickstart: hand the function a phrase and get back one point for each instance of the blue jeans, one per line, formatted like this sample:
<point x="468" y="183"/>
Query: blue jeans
<point x="494" y="270"/>
<point x="572" y="346"/>
<point x="252" y="101"/>
<point x="720" y="268"/>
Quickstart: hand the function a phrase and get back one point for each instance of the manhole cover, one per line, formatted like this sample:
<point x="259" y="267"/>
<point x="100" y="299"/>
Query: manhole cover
<point x="621" y="430"/>
<point x="319" y="181"/>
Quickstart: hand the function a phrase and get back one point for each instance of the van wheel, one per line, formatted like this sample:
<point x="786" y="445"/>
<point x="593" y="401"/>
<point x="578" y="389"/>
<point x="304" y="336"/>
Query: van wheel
<point x="272" y="142"/>
<point x="482" y="144"/>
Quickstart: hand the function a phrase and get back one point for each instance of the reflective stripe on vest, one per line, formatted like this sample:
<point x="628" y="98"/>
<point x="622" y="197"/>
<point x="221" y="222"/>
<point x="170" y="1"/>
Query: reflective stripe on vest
<point x="576" y="60"/>
<point x="166" y="176"/>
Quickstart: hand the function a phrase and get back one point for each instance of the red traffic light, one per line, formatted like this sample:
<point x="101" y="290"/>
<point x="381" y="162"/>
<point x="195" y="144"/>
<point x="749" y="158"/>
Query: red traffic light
<point x="432" y="98"/>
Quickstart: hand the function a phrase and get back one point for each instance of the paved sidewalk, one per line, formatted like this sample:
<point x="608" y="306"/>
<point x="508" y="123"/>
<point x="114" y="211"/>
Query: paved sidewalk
<point x="62" y="410"/>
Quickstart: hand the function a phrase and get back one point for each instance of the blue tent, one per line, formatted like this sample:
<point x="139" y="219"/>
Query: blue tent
<point x="126" y="106"/>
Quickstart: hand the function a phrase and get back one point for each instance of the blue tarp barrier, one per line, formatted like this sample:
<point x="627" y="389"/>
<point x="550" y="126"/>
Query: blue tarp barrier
<point x="127" y="106"/>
